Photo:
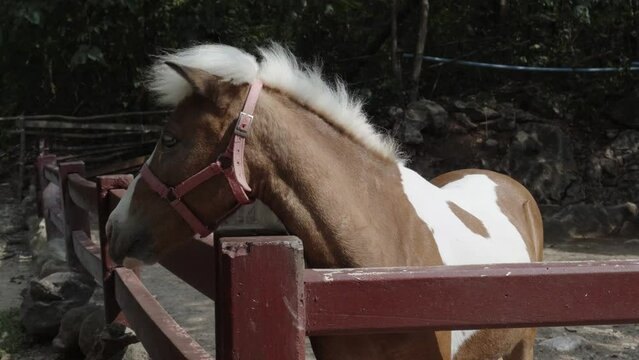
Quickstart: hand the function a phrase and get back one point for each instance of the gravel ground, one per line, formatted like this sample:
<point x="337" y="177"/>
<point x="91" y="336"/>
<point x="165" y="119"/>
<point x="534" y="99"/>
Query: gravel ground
<point x="195" y="312"/>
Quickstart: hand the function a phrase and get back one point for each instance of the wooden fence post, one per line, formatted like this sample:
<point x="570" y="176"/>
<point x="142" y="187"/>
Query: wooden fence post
<point x="41" y="161"/>
<point x="75" y="218"/>
<point x="259" y="309"/>
<point x="103" y="185"/>
<point x="21" y="161"/>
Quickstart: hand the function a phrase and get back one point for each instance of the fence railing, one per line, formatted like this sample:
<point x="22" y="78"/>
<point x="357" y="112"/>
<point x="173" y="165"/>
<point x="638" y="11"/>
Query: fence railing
<point x="266" y="301"/>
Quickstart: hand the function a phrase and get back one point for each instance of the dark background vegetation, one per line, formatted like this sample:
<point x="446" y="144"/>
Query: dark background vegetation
<point x="87" y="57"/>
<point x="557" y="133"/>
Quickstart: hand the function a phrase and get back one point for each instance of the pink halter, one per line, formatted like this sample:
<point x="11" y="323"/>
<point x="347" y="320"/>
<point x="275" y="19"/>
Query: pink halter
<point x="230" y="163"/>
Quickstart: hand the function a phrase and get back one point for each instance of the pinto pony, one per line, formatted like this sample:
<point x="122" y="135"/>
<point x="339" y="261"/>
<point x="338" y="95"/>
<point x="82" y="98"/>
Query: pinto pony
<point x="277" y="132"/>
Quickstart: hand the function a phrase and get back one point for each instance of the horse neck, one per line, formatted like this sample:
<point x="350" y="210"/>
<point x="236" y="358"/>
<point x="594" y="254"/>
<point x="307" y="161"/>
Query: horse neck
<point x="344" y="202"/>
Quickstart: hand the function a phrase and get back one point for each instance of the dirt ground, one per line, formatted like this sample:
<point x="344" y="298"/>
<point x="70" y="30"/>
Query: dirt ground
<point x="195" y="312"/>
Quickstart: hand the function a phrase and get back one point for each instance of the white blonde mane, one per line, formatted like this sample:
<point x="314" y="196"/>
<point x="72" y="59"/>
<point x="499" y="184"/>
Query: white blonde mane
<point x="280" y="70"/>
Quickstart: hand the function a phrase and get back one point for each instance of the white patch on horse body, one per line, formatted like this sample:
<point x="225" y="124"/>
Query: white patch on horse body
<point x="457" y="244"/>
<point x="458" y="338"/>
<point x="280" y="70"/>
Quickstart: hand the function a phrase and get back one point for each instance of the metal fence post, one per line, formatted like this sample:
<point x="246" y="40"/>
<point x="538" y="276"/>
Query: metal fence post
<point x="75" y="218"/>
<point x="103" y="185"/>
<point x="259" y="308"/>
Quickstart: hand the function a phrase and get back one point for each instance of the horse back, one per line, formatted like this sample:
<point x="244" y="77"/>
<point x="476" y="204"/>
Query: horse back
<point x="515" y="201"/>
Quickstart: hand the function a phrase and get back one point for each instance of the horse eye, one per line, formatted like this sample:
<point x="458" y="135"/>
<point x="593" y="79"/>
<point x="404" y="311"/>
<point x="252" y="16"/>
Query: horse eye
<point x="168" y="140"/>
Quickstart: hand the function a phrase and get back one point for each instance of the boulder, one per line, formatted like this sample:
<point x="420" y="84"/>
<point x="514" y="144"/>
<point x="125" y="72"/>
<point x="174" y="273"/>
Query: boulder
<point x="590" y="221"/>
<point x="626" y="111"/>
<point x="476" y="112"/>
<point x="90" y="330"/>
<point x="564" y="343"/>
<point x="422" y="115"/>
<point x="48" y="299"/>
<point x="42" y="319"/>
<point x="67" y="339"/>
<point x="133" y="352"/>
<point x="52" y="266"/>
<point x="112" y="342"/>
<point x="64" y="285"/>
<point x="541" y="157"/>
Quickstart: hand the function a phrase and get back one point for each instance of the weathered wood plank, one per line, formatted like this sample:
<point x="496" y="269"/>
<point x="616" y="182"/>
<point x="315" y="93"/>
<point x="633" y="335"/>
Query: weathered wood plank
<point x="75" y="218"/>
<point x="88" y="254"/>
<point x="355" y="301"/>
<point x="259" y="310"/>
<point x="160" y="334"/>
<point x="83" y="193"/>
<point x="104" y="186"/>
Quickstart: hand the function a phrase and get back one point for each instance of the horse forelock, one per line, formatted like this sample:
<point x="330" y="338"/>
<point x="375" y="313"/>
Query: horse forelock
<point x="280" y="70"/>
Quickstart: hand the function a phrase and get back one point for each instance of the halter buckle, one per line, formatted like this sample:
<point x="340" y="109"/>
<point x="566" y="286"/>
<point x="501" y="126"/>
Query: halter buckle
<point x="243" y="124"/>
<point x="170" y="195"/>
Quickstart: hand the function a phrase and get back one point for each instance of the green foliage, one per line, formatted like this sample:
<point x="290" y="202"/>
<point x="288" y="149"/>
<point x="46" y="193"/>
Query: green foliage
<point x="89" y="56"/>
<point x="77" y="56"/>
<point x="12" y="337"/>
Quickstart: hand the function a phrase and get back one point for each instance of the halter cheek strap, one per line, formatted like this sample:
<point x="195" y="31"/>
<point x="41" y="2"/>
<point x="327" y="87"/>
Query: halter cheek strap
<point x="230" y="163"/>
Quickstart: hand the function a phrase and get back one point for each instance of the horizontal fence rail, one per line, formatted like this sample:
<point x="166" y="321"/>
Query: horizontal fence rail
<point x="163" y="337"/>
<point x="356" y="301"/>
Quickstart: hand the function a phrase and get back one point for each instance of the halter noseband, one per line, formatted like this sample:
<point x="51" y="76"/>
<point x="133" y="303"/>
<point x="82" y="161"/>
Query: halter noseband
<point x="230" y="163"/>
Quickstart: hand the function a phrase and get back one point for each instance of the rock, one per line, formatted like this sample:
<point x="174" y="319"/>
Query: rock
<point x="67" y="339"/>
<point x="112" y="342"/>
<point x="44" y="291"/>
<point x="133" y="352"/>
<point x="47" y="300"/>
<point x="51" y="266"/>
<point x="626" y="111"/>
<point x="589" y="221"/>
<point x="464" y="120"/>
<point x="395" y="116"/>
<point x="422" y="115"/>
<point x="615" y="167"/>
<point x="65" y="285"/>
<point x="476" y="112"/>
<point x="90" y="329"/>
<point x="564" y="343"/>
<point x="42" y="319"/>
<point x="491" y="143"/>
<point x="136" y="352"/>
<point x="541" y="157"/>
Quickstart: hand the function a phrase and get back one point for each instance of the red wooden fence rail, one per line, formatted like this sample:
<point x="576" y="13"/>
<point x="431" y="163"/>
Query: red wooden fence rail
<point x="267" y="302"/>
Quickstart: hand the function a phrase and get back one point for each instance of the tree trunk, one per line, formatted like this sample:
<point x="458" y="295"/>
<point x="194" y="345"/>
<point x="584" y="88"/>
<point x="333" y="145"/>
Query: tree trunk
<point x="397" y="66"/>
<point x="419" y="51"/>
<point x="503" y="11"/>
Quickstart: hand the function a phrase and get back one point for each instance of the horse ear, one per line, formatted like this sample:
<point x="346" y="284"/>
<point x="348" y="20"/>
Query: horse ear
<point x="195" y="77"/>
<point x="207" y="85"/>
